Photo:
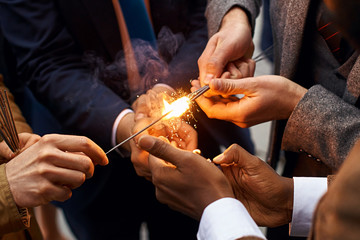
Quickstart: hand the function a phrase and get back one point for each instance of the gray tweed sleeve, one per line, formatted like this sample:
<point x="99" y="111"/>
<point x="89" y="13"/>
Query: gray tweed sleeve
<point x="324" y="126"/>
<point x="217" y="9"/>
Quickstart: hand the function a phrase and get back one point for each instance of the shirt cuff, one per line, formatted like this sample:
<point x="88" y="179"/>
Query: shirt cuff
<point x="227" y="218"/>
<point x="114" y="129"/>
<point x="12" y="218"/>
<point x="307" y="193"/>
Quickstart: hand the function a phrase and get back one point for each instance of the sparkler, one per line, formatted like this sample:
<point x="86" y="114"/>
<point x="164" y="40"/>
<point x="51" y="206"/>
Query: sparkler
<point x="175" y="109"/>
<point x="7" y="126"/>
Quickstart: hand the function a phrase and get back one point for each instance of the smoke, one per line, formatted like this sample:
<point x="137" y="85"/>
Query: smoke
<point x="152" y="64"/>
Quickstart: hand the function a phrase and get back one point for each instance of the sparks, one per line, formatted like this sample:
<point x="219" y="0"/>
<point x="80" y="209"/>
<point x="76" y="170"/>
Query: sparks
<point x="177" y="108"/>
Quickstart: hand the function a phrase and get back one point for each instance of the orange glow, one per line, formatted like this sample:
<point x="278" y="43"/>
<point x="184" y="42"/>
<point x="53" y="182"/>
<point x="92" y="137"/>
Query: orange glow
<point x="178" y="107"/>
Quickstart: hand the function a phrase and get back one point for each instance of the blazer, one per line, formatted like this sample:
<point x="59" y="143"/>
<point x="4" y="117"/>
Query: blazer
<point x="49" y="52"/>
<point x="323" y="120"/>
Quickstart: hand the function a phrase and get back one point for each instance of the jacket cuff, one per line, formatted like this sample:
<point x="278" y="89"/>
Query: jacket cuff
<point x="12" y="218"/>
<point x="216" y="11"/>
<point x="320" y="125"/>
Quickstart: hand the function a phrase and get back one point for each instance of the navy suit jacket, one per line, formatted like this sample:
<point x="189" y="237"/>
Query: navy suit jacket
<point x="49" y="39"/>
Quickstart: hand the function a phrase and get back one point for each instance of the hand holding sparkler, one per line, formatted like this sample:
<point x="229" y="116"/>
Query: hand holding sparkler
<point x="265" y="98"/>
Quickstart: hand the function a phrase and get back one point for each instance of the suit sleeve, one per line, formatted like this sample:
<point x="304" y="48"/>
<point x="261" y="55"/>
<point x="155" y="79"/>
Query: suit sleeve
<point x="217" y="9"/>
<point x="324" y="126"/>
<point x="183" y="67"/>
<point x="51" y="64"/>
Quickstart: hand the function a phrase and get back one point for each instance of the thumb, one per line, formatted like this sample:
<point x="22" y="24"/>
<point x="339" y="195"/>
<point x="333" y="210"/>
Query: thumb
<point x="235" y="155"/>
<point x="161" y="149"/>
<point x="230" y="86"/>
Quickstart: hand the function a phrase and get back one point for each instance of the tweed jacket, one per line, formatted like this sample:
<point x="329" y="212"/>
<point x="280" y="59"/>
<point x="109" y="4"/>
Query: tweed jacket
<point x="12" y="222"/>
<point x="324" y="125"/>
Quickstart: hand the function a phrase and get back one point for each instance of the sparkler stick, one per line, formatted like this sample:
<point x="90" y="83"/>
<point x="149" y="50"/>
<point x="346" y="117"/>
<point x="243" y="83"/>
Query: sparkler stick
<point x="142" y="130"/>
<point x="7" y="126"/>
<point x="192" y="96"/>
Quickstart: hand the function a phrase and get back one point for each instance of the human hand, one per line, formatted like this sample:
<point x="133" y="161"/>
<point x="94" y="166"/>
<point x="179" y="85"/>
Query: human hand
<point x="151" y="103"/>
<point x="51" y="167"/>
<point x="232" y="42"/>
<point x="178" y="133"/>
<point x="26" y="140"/>
<point x="267" y="196"/>
<point x="241" y="68"/>
<point x="184" y="181"/>
<point x="266" y="98"/>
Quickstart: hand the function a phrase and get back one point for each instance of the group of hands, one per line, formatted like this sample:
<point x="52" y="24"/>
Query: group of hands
<point x="49" y="167"/>
<point x="188" y="182"/>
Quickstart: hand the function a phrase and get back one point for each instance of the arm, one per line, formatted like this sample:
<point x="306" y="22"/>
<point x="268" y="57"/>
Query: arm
<point x="51" y="63"/>
<point x="235" y="19"/>
<point x="182" y="66"/>
<point x="324" y="126"/>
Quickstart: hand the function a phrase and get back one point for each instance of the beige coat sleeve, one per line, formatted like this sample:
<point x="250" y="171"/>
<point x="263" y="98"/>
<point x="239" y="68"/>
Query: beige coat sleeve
<point x="12" y="219"/>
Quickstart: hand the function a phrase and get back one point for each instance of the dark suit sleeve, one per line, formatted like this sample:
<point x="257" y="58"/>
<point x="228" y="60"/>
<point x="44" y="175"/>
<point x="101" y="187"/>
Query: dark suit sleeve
<point x="183" y="67"/>
<point x="51" y="64"/>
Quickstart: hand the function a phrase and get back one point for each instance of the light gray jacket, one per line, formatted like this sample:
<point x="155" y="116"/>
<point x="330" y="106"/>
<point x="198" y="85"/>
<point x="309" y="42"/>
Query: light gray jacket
<point x="323" y="125"/>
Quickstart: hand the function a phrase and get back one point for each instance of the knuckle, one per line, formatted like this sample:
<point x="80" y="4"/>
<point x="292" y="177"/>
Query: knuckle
<point x="84" y="142"/>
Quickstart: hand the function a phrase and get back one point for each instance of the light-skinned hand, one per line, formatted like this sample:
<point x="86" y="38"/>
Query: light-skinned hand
<point x="185" y="181"/>
<point x="182" y="136"/>
<point x="51" y="167"/>
<point x="267" y="196"/>
<point x="265" y="98"/>
<point x="231" y="43"/>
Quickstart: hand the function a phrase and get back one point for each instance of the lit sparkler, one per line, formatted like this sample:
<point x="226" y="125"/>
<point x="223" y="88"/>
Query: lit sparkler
<point x="175" y="109"/>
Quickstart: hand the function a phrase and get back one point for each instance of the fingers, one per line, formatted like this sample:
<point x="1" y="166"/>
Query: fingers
<point x="63" y="177"/>
<point x="237" y="155"/>
<point x="142" y="107"/>
<point x="161" y="149"/>
<point x="77" y="144"/>
<point x="74" y="161"/>
<point x="205" y="76"/>
<point x="232" y="87"/>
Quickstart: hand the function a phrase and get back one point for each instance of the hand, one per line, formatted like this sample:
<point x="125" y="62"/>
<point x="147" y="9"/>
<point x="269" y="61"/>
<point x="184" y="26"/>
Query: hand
<point x="267" y="196"/>
<point x="151" y="103"/>
<point x="241" y="68"/>
<point x="232" y="42"/>
<point x="26" y="140"/>
<point x="51" y="167"/>
<point x="179" y="133"/>
<point x="185" y="181"/>
<point x="266" y="98"/>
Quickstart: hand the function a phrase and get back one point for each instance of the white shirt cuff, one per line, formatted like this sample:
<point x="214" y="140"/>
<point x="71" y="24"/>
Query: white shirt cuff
<point x="307" y="193"/>
<point x="115" y="126"/>
<point x="227" y="218"/>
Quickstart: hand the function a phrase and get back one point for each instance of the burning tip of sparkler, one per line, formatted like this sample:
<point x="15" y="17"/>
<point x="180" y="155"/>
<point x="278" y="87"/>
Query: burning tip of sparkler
<point x="177" y="108"/>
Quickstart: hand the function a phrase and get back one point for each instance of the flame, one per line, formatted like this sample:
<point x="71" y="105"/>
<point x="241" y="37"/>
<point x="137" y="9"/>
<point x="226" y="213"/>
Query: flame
<point x="177" y="108"/>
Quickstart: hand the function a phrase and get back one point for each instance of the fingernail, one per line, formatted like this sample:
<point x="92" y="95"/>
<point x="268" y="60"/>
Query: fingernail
<point x="146" y="142"/>
<point x="207" y="78"/>
<point x="218" y="158"/>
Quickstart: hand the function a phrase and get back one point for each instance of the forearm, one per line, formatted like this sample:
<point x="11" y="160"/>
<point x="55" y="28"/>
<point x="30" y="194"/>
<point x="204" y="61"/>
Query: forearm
<point x="320" y="125"/>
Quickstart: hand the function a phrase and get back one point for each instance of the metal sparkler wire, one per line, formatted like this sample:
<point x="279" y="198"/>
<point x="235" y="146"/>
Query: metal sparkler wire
<point x="7" y="125"/>
<point x="192" y="96"/>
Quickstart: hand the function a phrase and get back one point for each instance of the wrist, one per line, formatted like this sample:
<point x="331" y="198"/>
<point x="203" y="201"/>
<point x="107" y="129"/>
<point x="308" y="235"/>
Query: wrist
<point x="290" y="198"/>
<point x="234" y="17"/>
<point x="124" y="129"/>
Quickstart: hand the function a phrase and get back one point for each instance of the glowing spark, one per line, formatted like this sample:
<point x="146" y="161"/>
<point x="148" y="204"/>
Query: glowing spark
<point x="177" y="107"/>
